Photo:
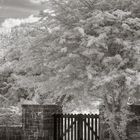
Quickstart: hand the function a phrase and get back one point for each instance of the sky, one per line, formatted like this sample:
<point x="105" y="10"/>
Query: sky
<point x="19" y="8"/>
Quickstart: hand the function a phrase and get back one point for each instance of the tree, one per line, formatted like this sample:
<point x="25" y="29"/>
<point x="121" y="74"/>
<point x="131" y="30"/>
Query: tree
<point x="87" y="50"/>
<point x="101" y="38"/>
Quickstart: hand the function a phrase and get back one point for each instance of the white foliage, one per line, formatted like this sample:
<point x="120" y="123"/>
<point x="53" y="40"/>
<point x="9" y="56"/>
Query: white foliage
<point x="130" y="71"/>
<point x="91" y="41"/>
<point x="64" y="50"/>
<point x="138" y="78"/>
<point x="109" y="16"/>
<point x="96" y="40"/>
<point x="90" y="72"/>
<point x="121" y="14"/>
<point x="80" y="30"/>
<point x="38" y="1"/>
<point x="10" y="23"/>
<point x="126" y="26"/>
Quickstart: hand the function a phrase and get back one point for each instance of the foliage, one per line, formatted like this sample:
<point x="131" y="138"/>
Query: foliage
<point x="80" y="52"/>
<point x="10" y="116"/>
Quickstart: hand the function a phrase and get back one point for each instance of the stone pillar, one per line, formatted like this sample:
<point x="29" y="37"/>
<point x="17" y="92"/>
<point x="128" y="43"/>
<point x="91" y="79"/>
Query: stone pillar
<point x="38" y="121"/>
<point x="133" y="128"/>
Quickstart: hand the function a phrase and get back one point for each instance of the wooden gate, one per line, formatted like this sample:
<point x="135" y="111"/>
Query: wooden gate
<point x="76" y="127"/>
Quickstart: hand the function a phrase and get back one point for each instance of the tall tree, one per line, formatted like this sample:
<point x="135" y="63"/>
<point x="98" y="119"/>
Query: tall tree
<point x="80" y="50"/>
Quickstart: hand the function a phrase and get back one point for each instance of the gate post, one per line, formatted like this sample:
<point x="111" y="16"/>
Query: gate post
<point x="80" y="127"/>
<point x="38" y="121"/>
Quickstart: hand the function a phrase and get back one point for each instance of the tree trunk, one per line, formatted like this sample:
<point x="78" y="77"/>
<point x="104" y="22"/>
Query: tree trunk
<point x="111" y="124"/>
<point x="114" y="132"/>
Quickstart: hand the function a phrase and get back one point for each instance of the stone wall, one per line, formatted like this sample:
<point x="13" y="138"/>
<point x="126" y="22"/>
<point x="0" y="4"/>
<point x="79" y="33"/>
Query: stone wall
<point x="133" y="129"/>
<point x="11" y="132"/>
<point x="38" y="121"/>
<point x="37" y="124"/>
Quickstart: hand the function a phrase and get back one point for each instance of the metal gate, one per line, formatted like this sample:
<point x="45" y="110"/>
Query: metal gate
<point x="76" y="127"/>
